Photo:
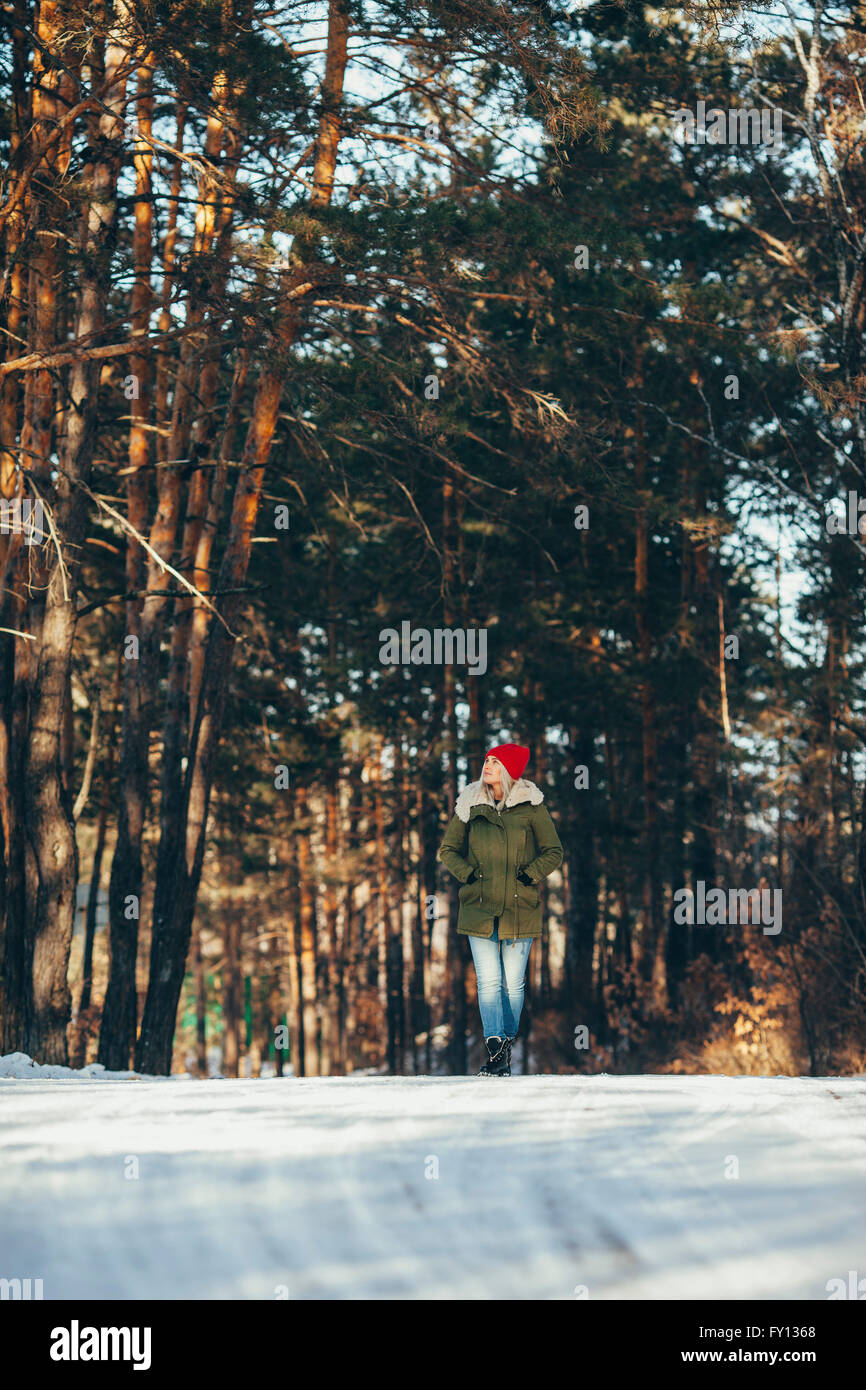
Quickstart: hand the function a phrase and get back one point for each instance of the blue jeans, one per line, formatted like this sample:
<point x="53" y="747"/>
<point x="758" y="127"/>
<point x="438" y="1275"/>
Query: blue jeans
<point x="500" y="967"/>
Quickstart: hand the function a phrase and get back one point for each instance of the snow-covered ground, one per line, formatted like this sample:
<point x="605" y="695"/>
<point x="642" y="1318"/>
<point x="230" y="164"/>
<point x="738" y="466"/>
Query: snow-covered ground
<point x="549" y="1187"/>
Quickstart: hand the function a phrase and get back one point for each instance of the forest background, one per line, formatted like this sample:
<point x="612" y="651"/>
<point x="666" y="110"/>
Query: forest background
<point x="319" y="319"/>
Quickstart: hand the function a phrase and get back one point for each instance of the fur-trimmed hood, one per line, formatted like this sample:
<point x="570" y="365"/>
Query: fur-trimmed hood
<point x="478" y="794"/>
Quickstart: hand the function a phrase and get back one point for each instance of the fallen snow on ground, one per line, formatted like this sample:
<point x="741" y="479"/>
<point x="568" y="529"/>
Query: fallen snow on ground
<point x="18" y="1066"/>
<point x="549" y="1187"/>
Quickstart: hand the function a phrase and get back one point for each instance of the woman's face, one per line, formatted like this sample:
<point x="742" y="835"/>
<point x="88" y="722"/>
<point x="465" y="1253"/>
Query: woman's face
<point x="491" y="770"/>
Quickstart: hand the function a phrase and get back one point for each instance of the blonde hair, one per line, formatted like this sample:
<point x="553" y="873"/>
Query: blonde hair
<point x="506" y="781"/>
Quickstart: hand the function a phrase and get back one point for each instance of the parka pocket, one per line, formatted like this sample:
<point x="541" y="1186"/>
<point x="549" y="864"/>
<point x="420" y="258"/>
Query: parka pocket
<point x="527" y="895"/>
<point x="470" y="892"/>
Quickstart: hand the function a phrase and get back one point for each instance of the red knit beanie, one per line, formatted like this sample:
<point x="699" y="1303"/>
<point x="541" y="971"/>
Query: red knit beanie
<point x="513" y="757"/>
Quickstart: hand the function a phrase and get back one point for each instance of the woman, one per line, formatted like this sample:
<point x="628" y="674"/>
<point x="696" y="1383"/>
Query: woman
<point x="500" y="844"/>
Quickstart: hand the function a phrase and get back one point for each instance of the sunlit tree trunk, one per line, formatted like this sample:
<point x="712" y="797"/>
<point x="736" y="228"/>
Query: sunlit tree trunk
<point x="172" y="928"/>
<point x="117" y="1033"/>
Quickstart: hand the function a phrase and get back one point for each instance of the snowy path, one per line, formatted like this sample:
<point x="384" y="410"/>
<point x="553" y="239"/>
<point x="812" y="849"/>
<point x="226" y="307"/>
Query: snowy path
<point x="545" y="1184"/>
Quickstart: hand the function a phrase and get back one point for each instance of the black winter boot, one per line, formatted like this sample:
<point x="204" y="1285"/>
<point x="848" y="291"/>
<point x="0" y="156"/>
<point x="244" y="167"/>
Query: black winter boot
<point x="497" y="1063"/>
<point x="508" y="1042"/>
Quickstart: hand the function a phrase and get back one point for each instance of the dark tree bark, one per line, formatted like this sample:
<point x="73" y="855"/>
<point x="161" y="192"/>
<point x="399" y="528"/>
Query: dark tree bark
<point x="177" y="886"/>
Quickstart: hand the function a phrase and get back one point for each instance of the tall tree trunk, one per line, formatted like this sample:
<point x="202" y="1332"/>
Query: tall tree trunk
<point x="396" y="951"/>
<point x="704" y="816"/>
<point x="200" y="1006"/>
<point x="232" y="997"/>
<point x="296" y="948"/>
<point x="582" y="886"/>
<point x="623" y="946"/>
<point x="330" y="981"/>
<point x="78" y="1049"/>
<point x="679" y="935"/>
<point x="455" y="966"/>
<point x="308" y="957"/>
<point x="173" y="922"/>
<point x="419" y="1009"/>
<point x="52" y="870"/>
<point x="381" y="917"/>
<point x="117" y="1033"/>
<point x="350" y="948"/>
<point x="36" y="288"/>
<point x="652" y="936"/>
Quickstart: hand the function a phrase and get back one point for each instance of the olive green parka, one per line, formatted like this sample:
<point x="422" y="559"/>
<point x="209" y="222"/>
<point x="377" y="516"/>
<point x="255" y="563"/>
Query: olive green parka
<point x="495" y="844"/>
